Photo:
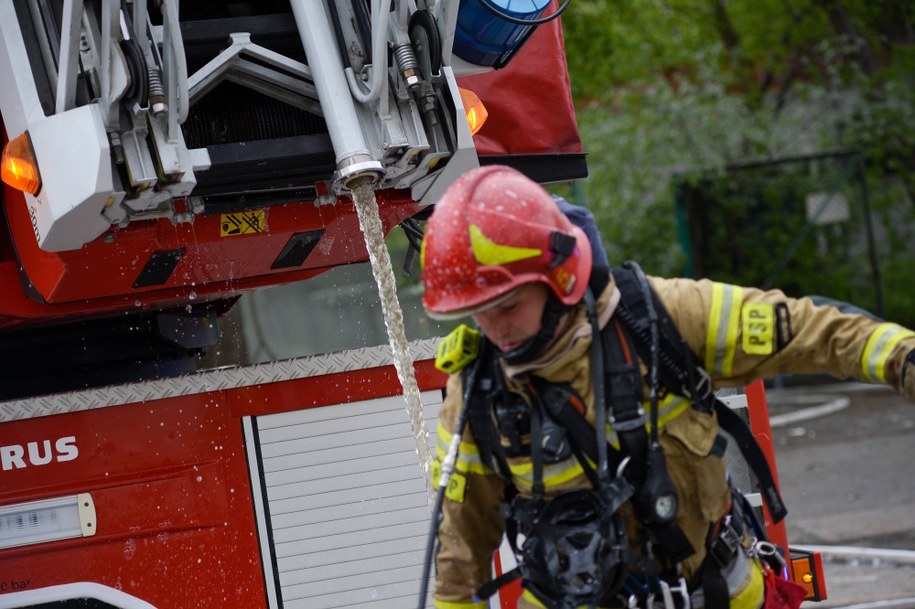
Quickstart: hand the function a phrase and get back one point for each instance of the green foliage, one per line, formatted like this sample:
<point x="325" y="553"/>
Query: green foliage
<point x="679" y="92"/>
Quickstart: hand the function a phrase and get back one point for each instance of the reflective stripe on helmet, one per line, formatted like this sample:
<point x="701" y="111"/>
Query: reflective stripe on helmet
<point x="879" y="347"/>
<point x="487" y="251"/>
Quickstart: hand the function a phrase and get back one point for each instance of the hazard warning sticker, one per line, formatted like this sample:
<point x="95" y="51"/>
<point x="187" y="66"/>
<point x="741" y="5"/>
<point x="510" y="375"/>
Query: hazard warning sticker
<point x="242" y="223"/>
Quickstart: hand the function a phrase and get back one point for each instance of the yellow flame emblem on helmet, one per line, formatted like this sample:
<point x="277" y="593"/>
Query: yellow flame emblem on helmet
<point x="488" y="252"/>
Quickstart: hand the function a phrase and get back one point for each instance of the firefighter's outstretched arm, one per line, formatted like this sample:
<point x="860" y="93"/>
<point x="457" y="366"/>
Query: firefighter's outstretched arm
<point x="742" y="334"/>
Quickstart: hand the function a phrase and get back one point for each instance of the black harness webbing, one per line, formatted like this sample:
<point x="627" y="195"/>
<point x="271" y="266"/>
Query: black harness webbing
<point x="480" y="419"/>
<point x="678" y="372"/>
<point x="628" y="420"/>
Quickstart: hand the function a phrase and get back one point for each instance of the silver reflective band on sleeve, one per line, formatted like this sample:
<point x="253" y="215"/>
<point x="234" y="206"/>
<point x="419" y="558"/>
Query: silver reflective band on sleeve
<point x="721" y="338"/>
<point x="879" y="347"/>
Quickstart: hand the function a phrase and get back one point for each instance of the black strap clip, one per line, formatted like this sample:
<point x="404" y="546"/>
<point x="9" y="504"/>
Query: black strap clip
<point x="563" y="245"/>
<point x="724" y="546"/>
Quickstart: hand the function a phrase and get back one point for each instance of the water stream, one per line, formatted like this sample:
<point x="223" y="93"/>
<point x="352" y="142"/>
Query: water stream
<point x="370" y="221"/>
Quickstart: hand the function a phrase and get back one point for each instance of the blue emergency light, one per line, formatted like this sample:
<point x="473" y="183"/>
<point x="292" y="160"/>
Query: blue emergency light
<point x="488" y="32"/>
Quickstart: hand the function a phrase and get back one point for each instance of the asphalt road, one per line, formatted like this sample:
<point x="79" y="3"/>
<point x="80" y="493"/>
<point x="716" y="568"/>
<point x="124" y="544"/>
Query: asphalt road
<point x="848" y="478"/>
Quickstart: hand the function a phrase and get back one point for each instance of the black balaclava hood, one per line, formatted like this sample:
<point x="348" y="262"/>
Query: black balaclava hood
<point x="530" y="349"/>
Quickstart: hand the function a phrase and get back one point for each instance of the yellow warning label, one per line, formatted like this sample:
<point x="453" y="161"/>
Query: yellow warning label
<point x="457" y="487"/>
<point x="242" y="223"/>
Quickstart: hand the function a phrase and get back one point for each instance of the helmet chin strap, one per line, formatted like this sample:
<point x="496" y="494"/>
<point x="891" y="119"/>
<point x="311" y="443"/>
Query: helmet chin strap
<point x="530" y="349"/>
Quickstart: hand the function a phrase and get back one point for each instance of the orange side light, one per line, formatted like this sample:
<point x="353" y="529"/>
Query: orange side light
<point x="475" y="110"/>
<point x="18" y="166"/>
<point x="807" y="570"/>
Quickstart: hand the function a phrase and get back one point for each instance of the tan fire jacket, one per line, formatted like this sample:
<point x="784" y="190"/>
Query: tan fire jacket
<point x="741" y="334"/>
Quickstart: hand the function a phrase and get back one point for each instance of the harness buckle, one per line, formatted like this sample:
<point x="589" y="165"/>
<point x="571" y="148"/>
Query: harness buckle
<point x="671" y="597"/>
<point x="725" y="545"/>
<point x="622" y="426"/>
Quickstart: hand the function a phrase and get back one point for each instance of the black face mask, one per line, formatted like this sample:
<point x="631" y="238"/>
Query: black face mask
<point x="530" y="349"/>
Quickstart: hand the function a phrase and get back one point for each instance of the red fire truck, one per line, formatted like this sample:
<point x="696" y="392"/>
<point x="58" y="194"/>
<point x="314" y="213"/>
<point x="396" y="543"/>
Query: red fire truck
<point x="161" y="161"/>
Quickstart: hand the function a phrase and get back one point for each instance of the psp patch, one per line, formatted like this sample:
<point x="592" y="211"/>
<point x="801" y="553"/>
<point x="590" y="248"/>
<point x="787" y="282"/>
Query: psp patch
<point x="457" y="487"/>
<point x="758" y="325"/>
<point x="457" y="484"/>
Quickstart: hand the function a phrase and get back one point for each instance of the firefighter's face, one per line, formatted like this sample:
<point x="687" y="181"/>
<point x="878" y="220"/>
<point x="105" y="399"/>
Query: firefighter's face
<point x="510" y="323"/>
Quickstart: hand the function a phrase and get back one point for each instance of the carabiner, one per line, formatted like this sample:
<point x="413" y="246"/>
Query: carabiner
<point x="768" y="551"/>
<point x="667" y="596"/>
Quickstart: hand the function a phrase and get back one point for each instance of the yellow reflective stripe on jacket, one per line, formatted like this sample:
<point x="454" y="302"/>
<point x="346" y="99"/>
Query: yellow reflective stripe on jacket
<point x="468" y="459"/>
<point x="528" y="596"/>
<point x="670" y="407"/>
<point x="471" y="605"/>
<point x="554" y="474"/>
<point x="879" y="347"/>
<point x="721" y="339"/>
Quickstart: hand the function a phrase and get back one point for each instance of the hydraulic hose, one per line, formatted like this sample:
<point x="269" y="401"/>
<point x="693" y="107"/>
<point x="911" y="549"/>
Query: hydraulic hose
<point x="380" y="17"/>
<point x="176" y="46"/>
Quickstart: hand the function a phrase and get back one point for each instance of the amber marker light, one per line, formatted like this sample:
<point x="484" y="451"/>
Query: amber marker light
<point x="18" y="166"/>
<point x="475" y="110"/>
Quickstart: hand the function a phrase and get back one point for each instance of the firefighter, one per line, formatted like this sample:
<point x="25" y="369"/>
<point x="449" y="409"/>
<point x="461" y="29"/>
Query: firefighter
<point x="498" y="249"/>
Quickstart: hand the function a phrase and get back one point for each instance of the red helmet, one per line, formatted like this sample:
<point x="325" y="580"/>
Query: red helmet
<point x="493" y="231"/>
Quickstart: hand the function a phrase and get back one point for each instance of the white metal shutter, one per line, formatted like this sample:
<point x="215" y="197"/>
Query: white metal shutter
<point x="346" y="505"/>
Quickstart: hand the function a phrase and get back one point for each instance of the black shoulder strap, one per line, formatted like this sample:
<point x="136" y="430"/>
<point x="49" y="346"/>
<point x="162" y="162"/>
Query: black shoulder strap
<point x="624" y="397"/>
<point x="623" y="390"/>
<point x="681" y="373"/>
<point x="482" y="426"/>
<point x="675" y="359"/>
<point x="622" y="400"/>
